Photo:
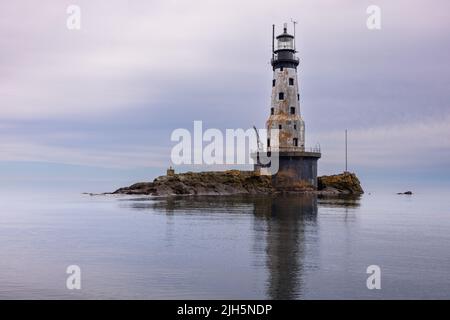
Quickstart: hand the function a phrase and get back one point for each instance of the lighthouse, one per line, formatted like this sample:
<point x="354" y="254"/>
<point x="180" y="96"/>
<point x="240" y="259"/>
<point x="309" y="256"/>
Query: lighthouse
<point x="285" y="100"/>
<point x="297" y="166"/>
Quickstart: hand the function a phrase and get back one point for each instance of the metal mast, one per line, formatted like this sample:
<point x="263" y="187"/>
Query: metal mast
<point x="294" y="22"/>
<point x="346" y="169"/>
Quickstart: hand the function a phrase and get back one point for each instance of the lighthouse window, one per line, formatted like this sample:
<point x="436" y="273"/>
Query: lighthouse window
<point x="281" y="68"/>
<point x="279" y="126"/>
<point x="273" y="83"/>
<point x="268" y="142"/>
<point x="296" y="142"/>
<point x="295" y="127"/>
<point x="281" y="96"/>
<point x="292" y="110"/>
<point x="298" y="96"/>
<point x="291" y="81"/>
<point x="272" y="111"/>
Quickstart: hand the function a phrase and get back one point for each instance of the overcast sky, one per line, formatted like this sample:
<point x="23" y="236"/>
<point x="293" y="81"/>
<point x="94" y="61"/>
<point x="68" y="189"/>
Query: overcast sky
<point x="105" y="99"/>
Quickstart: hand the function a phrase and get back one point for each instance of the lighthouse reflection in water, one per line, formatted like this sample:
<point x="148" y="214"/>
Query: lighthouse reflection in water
<point x="284" y="242"/>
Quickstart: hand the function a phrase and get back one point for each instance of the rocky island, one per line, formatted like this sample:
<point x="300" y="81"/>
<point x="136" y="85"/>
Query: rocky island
<point x="234" y="182"/>
<point x="297" y="165"/>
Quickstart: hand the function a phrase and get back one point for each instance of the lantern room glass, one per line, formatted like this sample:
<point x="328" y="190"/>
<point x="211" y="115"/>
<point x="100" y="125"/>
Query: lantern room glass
<point x="286" y="43"/>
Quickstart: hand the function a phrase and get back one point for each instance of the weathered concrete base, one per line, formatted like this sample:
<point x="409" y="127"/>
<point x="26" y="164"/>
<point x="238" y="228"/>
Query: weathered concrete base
<point x="296" y="169"/>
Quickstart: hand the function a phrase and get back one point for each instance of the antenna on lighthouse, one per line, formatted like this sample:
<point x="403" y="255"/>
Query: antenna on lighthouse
<point x="273" y="41"/>
<point x="294" y="22"/>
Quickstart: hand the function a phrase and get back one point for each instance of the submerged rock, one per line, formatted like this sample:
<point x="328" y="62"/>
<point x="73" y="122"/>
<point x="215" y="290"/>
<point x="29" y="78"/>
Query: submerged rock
<point x="237" y="182"/>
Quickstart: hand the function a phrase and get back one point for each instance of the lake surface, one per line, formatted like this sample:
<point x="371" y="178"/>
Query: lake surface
<point x="286" y="247"/>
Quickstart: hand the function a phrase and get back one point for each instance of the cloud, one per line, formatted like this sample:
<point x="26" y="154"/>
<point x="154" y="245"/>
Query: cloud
<point x="120" y="157"/>
<point x="135" y="55"/>
<point x="421" y="145"/>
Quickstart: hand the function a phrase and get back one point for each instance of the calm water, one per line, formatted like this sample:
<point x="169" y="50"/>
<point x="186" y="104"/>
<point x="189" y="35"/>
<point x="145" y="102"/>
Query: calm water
<point x="287" y="247"/>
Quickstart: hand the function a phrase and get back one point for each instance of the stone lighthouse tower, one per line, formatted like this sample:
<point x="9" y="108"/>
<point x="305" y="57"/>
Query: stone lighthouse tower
<point x="297" y="166"/>
<point x="285" y="102"/>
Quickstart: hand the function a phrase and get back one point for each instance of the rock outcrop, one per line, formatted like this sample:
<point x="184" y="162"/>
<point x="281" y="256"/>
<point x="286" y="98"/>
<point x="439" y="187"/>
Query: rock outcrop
<point x="344" y="183"/>
<point x="238" y="182"/>
<point x="203" y="183"/>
